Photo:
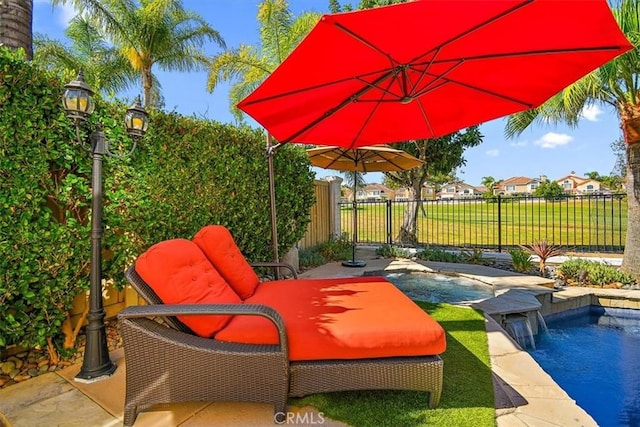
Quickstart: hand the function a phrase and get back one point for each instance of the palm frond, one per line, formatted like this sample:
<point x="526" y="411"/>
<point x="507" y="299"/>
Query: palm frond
<point x="276" y="20"/>
<point x="243" y="63"/>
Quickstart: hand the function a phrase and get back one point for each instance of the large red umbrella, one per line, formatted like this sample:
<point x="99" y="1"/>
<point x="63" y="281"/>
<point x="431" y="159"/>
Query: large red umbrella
<point x="427" y="68"/>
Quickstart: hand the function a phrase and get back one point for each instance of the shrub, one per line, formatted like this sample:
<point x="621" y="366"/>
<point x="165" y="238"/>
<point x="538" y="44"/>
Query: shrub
<point x="473" y="257"/>
<point x="572" y="268"/>
<point x="593" y="273"/>
<point x="331" y="250"/>
<point x="309" y="258"/>
<point x="521" y="260"/>
<point x="436" y="254"/>
<point x="185" y="174"/>
<point x="44" y="232"/>
<point x="388" y="251"/>
<point x="337" y="249"/>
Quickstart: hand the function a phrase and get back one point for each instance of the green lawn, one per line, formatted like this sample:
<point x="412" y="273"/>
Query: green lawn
<point x="573" y="223"/>
<point x="467" y="397"/>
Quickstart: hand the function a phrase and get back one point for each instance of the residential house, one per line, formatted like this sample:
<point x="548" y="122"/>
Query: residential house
<point x="405" y="194"/>
<point x="576" y="185"/>
<point x="369" y="193"/>
<point x="428" y="192"/>
<point x="460" y="190"/>
<point x="516" y="186"/>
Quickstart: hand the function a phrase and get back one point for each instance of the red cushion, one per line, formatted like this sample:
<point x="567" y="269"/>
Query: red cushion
<point x="353" y="318"/>
<point x="218" y="245"/>
<point x="180" y="273"/>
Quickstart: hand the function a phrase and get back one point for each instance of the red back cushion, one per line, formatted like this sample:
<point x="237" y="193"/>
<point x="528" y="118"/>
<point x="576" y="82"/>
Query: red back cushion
<point x="180" y="273"/>
<point x="218" y="245"/>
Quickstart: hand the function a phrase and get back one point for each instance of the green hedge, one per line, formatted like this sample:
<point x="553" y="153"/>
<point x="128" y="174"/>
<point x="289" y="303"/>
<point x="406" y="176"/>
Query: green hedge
<point x="186" y="173"/>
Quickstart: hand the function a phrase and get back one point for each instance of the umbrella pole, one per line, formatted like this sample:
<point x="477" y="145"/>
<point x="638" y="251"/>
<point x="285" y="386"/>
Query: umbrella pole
<point x="355" y="215"/>
<point x="272" y="203"/>
<point x="353" y="262"/>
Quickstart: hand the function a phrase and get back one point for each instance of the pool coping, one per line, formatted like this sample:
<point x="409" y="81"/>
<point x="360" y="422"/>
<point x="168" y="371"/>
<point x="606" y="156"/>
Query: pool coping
<point x="525" y="394"/>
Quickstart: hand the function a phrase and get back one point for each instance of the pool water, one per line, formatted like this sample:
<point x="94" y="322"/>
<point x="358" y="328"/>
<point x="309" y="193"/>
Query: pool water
<point x="432" y="287"/>
<point x="594" y="355"/>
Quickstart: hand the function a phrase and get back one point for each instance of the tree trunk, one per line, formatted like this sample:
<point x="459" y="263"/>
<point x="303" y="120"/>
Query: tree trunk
<point x="16" y="20"/>
<point x="408" y="234"/>
<point x="147" y="83"/>
<point x="631" y="261"/>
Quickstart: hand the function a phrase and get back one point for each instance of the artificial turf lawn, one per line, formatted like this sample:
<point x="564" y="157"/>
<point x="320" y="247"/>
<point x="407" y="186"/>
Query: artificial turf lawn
<point x="467" y="395"/>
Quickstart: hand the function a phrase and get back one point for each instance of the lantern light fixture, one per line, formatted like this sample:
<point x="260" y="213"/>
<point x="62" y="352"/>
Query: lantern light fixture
<point x="77" y="100"/>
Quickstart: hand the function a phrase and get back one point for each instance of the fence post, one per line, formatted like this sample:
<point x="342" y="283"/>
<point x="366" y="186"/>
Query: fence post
<point x="388" y="217"/>
<point x="499" y="223"/>
<point x="335" y="185"/>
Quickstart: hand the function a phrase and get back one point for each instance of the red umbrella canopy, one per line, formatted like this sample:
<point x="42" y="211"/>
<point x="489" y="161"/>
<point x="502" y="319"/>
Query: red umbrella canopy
<point x="426" y="68"/>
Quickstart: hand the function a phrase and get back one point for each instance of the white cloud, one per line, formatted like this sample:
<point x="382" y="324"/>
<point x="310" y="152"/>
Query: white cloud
<point x="553" y="140"/>
<point x="591" y="113"/>
<point x="519" y="144"/>
<point x="492" y="153"/>
<point x="66" y="14"/>
<point x="63" y="13"/>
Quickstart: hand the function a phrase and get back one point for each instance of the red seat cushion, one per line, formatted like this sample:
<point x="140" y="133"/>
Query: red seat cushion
<point x="218" y="245"/>
<point x="354" y="318"/>
<point x="180" y="273"/>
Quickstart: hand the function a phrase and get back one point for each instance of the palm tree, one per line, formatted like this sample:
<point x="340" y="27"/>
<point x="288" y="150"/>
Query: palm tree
<point x="151" y="33"/>
<point x="16" y="17"/>
<point x="616" y="85"/>
<point x="249" y="65"/>
<point x="489" y="183"/>
<point x="355" y="181"/>
<point x="104" y="67"/>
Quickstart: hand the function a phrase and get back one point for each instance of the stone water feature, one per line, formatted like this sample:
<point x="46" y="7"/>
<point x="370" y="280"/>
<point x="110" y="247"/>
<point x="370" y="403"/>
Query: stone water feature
<point x="518" y="311"/>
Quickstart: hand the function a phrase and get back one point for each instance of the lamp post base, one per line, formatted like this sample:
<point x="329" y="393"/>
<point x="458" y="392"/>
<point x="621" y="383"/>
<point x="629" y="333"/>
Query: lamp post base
<point x="96" y="364"/>
<point x="354" y="263"/>
<point x="92" y="378"/>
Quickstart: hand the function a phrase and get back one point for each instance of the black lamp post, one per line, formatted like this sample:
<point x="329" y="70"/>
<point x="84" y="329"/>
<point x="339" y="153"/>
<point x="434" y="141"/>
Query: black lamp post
<point x="79" y="105"/>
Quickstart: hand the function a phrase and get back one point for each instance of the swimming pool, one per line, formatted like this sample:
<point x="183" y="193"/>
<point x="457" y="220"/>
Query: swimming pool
<point x="594" y="355"/>
<point x="433" y="287"/>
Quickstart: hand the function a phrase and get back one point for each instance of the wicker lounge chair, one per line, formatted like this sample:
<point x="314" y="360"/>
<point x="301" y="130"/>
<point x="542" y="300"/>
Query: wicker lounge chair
<point x="167" y="362"/>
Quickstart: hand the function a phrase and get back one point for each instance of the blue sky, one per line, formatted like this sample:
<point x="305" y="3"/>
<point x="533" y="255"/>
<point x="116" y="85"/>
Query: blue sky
<point x="549" y="150"/>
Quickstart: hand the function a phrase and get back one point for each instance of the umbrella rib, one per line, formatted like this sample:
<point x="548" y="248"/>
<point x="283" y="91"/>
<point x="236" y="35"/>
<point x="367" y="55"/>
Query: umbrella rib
<point x="425" y="116"/>
<point x="526" y="53"/>
<point x="374" y="109"/>
<point x="477" y="27"/>
<point x="437" y="82"/>
<point x="426" y="69"/>
<point x="337" y="108"/>
<point x="387" y="73"/>
<point x="479" y="89"/>
<point x="459" y="61"/>
<point x="391" y="73"/>
<point x="365" y="42"/>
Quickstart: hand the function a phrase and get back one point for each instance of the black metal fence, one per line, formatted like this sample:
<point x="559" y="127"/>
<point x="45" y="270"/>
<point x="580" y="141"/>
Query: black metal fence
<point x="588" y="223"/>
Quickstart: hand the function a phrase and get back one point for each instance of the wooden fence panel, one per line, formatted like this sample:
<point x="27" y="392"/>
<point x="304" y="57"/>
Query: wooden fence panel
<point x="319" y="229"/>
